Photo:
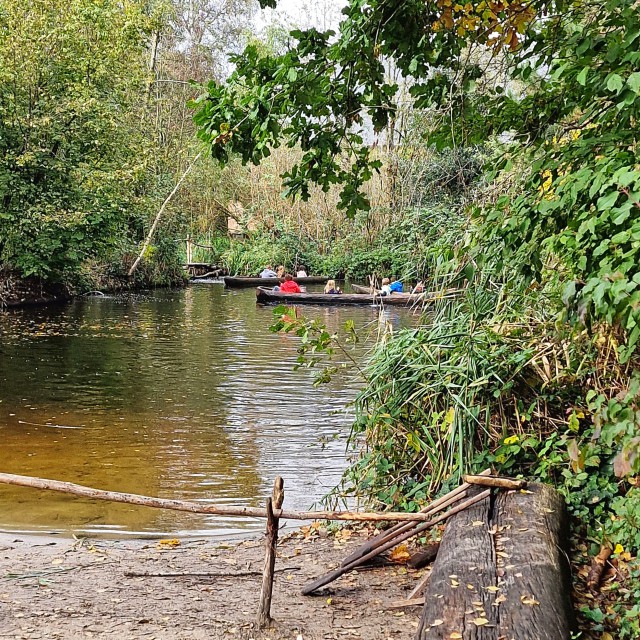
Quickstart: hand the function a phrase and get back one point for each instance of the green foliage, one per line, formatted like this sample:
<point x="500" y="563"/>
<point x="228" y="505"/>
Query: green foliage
<point x="413" y="248"/>
<point x="72" y="158"/>
<point x="317" y="345"/>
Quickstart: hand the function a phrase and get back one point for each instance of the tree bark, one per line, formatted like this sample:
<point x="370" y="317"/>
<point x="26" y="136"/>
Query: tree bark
<point x="457" y="591"/>
<point x="535" y="573"/>
<point x="502" y="572"/>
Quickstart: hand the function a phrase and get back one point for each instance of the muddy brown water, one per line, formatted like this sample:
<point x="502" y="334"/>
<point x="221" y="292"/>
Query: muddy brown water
<point x="179" y="394"/>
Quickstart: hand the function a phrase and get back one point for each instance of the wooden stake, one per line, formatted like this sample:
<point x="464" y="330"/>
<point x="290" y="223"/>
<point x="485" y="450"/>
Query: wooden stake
<point x="271" y="542"/>
<point x="401" y="604"/>
<point x="420" y="587"/>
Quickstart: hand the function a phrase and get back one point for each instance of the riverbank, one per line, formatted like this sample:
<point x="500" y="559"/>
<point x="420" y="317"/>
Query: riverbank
<point x="16" y="292"/>
<point x="195" y="589"/>
<point x="23" y="292"/>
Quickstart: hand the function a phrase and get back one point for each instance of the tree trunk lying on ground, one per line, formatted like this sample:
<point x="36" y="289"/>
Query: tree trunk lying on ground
<point x="502" y="572"/>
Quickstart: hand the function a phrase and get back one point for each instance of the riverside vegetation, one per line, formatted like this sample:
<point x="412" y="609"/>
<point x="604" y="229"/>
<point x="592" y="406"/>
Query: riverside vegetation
<point x="505" y="166"/>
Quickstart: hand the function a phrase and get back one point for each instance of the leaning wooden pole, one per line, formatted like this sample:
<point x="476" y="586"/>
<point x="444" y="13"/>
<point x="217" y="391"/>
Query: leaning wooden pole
<point x="271" y="543"/>
<point x="389" y="534"/>
<point x="333" y="575"/>
<point x="196" y="507"/>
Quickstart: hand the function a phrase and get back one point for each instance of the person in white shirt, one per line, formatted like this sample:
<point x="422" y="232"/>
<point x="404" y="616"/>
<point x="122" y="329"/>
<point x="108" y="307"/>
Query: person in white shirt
<point x="385" y="289"/>
<point x="301" y="273"/>
<point x="268" y="272"/>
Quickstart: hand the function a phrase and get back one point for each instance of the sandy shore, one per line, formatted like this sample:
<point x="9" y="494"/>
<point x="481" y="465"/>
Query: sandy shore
<point x="53" y="588"/>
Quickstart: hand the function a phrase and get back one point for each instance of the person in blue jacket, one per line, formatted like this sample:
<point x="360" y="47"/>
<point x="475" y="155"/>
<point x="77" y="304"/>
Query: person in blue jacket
<point x="396" y="286"/>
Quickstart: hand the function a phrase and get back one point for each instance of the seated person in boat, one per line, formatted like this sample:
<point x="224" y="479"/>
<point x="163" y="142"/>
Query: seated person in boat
<point x="330" y="287"/>
<point x="301" y="273"/>
<point x="289" y="285"/>
<point x="280" y="271"/>
<point x="396" y="286"/>
<point x="419" y="288"/>
<point x="385" y="289"/>
<point x="268" y="272"/>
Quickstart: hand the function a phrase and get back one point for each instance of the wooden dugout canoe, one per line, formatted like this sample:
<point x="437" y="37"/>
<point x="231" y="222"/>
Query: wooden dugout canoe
<point x="265" y="295"/>
<point x="235" y="282"/>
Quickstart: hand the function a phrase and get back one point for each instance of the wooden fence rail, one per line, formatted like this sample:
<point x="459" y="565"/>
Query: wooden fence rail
<point x="195" y="507"/>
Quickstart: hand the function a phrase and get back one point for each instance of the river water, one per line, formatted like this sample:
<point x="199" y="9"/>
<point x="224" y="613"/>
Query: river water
<point x="173" y="393"/>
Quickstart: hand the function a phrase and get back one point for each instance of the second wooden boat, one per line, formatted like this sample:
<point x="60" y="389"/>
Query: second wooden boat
<point x="265" y="295"/>
<point x="234" y="282"/>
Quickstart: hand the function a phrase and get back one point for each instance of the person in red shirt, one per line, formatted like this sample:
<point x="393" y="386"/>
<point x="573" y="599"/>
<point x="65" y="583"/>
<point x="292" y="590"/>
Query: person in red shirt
<point x="289" y="286"/>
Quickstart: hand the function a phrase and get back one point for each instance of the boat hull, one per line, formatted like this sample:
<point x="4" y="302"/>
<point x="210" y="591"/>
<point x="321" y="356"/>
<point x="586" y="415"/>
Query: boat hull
<point x="235" y="282"/>
<point x="267" y="296"/>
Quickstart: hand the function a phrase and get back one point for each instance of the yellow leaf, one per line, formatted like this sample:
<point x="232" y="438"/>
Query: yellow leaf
<point x="172" y="542"/>
<point x="528" y="600"/>
<point x="491" y="588"/>
<point x="479" y="622"/>
<point x="400" y="553"/>
<point x="57" y="561"/>
<point x="451" y="413"/>
<point x="454" y="635"/>
<point x="437" y="623"/>
<point x="329" y="600"/>
<point x="619" y="549"/>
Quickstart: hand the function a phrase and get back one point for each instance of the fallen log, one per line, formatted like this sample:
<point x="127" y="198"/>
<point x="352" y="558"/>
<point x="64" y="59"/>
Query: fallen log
<point x="502" y="572"/>
<point x="464" y="568"/>
<point x="424" y="557"/>
<point x="533" y="564"/>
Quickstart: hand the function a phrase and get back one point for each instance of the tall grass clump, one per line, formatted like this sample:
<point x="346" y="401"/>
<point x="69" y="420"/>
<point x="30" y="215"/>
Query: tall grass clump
<point x="440" y="394"/>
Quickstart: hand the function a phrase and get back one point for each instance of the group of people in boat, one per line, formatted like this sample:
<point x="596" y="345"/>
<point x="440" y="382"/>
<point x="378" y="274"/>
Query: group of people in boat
<point x="390" y="287"/>
<point x="281" y="272"/>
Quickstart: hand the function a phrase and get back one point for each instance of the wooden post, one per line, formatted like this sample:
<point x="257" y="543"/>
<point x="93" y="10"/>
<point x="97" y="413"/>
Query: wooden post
<point x="271" y="542"/>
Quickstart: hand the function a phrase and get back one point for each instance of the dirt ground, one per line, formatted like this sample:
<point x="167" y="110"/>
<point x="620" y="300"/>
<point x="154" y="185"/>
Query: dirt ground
<point x="195" y="589"/>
